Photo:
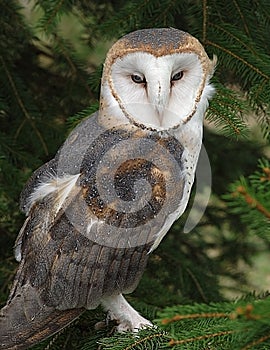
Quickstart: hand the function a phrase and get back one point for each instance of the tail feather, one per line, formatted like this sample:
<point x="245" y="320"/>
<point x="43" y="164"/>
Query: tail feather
<point x="25" y="320"/>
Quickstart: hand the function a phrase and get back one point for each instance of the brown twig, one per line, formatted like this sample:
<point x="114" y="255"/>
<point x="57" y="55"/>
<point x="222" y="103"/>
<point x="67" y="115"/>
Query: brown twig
<point x="201" y="337"/>
<point x="253" y="202"/>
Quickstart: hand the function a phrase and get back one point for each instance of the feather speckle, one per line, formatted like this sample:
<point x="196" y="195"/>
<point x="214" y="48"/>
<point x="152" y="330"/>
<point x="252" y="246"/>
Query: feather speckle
<point x="106" y="200"/>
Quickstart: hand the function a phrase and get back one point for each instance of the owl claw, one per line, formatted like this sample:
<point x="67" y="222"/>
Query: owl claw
<point x="134" y="325"/>
<point x="128" y="318"/>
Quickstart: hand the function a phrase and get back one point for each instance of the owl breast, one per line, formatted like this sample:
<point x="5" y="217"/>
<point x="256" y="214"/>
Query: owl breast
<point x="121" y="189"/>
<point x="132" y="180"/>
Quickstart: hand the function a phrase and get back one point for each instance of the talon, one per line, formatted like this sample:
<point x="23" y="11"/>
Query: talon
<point x="128" y="318"/>
<point x="134" y="325"/>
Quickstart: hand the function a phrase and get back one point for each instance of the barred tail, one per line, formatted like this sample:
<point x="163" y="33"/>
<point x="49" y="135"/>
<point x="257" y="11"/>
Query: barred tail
<point x="26" y="321"/>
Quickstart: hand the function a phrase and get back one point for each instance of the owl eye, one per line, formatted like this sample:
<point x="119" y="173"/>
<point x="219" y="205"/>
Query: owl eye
<point x="177" y="76"/>
<point x="137" y="79"/>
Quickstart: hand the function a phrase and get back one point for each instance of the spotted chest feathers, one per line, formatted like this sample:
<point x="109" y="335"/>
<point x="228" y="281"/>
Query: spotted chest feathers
<point x="132" y="179"/>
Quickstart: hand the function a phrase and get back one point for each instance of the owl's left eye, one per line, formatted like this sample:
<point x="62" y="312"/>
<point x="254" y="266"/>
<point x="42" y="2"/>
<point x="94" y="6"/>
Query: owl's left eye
<point x="138" y="79"/>
<point x="177" y="76"/>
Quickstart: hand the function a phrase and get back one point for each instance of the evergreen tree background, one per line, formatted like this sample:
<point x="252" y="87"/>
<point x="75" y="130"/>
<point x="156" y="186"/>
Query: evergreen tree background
<point x="206" y="289"/>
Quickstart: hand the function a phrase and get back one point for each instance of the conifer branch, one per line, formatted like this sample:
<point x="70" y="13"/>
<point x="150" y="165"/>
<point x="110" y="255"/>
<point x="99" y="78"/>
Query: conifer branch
<point x="22" y="106"/>
<point x="64" y="52"/>
<point x="266" y="170"/>
<point x="230" y="53"/>
<point x="201" y="337"/>
<point x="197" y="283"/>
<point x="19" y="129"/>
<point x="233" y="126"/>
<point x="253" y="202"/>
<point x="259" y="91"/>
<point x="234" y="37"/>
<point x="241" y="16"/>
<point x="52" y="15"/>
<point x="256" y="342"/>
<point x="72" y="65"/>
<point x="193" y="316"/>
<point x="144" y="340"/>
<point x="204" y="4"/>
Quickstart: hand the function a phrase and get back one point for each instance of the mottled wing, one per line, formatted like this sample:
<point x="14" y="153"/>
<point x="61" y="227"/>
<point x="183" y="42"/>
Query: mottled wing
<point x="67" y="268"/>
<point x="94" y="213"/>
<point x="62" y="271"/>
<point x="96" y="210"/>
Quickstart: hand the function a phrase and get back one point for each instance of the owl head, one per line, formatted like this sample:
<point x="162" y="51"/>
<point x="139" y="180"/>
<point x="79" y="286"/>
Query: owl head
<point x="157" y="79"/>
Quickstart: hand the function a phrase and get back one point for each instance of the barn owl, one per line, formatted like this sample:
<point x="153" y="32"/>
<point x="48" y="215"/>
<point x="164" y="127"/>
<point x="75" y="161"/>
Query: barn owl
<point x="99" y="208"/>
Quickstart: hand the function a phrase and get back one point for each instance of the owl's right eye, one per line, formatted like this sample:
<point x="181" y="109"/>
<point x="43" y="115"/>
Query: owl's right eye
<point x="138" y="79"/>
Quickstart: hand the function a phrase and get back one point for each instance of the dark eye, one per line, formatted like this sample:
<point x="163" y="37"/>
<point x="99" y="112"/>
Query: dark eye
<point x="177" y="76"/>
<point x="137" y="79"/>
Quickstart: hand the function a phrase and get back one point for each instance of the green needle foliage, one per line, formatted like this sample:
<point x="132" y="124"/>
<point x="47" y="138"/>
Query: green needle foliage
<point x="197" y="288"/>
<point x="250" y="199"/>
<point x="241" y="325"/>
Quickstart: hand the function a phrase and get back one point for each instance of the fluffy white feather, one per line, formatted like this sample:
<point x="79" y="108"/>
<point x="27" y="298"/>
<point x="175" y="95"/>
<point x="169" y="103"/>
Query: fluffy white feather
<point x="59" y="186"/>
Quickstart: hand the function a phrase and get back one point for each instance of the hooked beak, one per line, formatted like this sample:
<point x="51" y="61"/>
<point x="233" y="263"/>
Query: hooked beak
<point x="158" y="92"/>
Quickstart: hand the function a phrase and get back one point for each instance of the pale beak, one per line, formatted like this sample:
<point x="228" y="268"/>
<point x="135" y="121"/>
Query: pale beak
<point x="159" y="92"/>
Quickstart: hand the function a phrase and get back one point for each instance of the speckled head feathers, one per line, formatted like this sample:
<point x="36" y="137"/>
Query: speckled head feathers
<point x="159" y="42"/>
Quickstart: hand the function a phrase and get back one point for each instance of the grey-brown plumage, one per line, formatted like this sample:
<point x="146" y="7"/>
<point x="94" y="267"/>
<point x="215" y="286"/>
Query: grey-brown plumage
<point x="25" y="321"/>
<point x="64" y="270"/>
<point x="113" y="190"/>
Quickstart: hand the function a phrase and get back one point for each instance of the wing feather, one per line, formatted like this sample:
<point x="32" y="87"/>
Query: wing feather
<point x="71" y="256"/>
<point x="70" y="270"/>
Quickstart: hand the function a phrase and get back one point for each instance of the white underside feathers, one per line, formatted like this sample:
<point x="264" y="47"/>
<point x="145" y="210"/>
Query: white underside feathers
<point x="59" y="186"/>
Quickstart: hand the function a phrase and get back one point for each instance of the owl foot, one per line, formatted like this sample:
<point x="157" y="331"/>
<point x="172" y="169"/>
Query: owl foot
<point x="128" y="318"/>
